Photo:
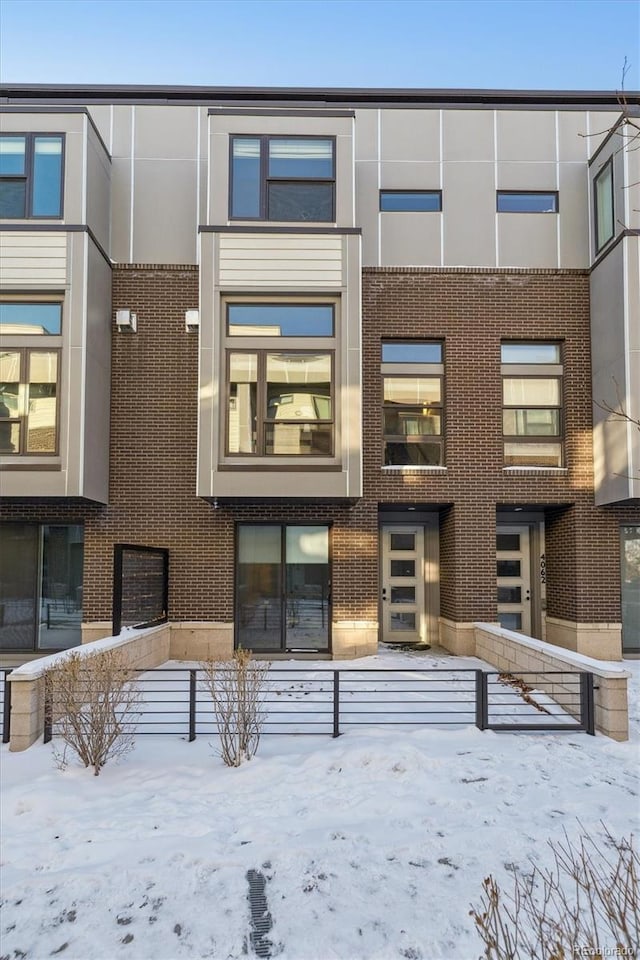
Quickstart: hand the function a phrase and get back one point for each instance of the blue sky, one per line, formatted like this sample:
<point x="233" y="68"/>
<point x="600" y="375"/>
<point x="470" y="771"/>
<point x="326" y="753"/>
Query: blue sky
<point x="536" y="44"/>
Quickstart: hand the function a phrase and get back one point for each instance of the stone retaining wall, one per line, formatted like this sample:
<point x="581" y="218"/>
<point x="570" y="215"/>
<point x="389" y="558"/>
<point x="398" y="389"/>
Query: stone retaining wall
<point x="140" y="650"/>
<point x="514" y="653"/>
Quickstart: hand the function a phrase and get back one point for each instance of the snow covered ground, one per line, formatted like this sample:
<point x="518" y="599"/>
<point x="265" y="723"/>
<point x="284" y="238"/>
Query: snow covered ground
<point x="372" y="845"/>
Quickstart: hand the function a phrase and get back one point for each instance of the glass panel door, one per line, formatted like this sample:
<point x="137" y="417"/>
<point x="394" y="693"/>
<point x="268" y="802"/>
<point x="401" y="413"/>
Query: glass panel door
<point x="513" y="576"/>
<point x="19" y="569"/>
<point x="403" y="613"/>
<point x="283" y="588"/>
<point x="631" y="589"/>
<point x="259" y="587"/>
<point x="307" y="588"/>
<point x="61" y="595"/>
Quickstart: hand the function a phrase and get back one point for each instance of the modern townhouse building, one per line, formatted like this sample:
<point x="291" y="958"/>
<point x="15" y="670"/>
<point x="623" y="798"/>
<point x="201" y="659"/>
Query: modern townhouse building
<point x="350" y="355"/>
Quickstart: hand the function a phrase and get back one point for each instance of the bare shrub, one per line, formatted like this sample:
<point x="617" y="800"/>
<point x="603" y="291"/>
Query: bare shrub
<point x="93" y="703"/>
<point x="237" y="688"/>
<point x="586" y="904"/>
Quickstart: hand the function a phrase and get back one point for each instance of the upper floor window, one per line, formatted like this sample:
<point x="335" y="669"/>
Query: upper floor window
<point x="22" y="317"/>
<point x="411" y="201"/>
<point x="604" y="205"/>
<point x="532" y="404"/>
<point x="280" y="404"/>
<point x="31" y="175"/>
<point x="527" y="201"/>
<point x="280" y="319"/>
<point x="28" y="401"/>
<point x="283" y="178"/>
<point x="413" y="403"/>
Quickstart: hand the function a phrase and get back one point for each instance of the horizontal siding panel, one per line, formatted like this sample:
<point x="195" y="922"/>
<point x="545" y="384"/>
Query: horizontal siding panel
<point x="293" y="260"/>
<point x="41" y="263"/>
<point x="32" y="276"/>
<point x="32" y="258"/>
<point x="279" y="241"/>
<point x="329" y="256"/>
<point x="280" y="279"/>
<point x="295" y="266"/>
<point x="22" y="238"/>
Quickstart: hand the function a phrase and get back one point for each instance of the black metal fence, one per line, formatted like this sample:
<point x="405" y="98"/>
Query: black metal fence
<point x="330" y="701"/>
<point x="140" y="586"/>
<point x="5" y="705"/>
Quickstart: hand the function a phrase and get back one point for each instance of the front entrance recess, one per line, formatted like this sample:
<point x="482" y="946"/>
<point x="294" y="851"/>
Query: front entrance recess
<point x="283" y="588"/>
<point x="513" y="570"/>
<point x="403" y="584"/>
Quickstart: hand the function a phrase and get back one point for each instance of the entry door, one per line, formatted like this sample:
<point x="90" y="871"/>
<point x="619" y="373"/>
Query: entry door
<point x="403" y="613"/>
<point x="513" y="556"/>
<point x="19" y="588"/>
<point x="283" y="590"/>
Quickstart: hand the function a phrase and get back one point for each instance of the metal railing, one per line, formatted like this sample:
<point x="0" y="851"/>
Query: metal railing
<point x="329" y="701"/>
<point x="559" y="700"/>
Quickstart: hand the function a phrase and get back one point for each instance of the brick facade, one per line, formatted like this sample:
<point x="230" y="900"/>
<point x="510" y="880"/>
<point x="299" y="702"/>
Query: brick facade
<point x="154" y="448"/>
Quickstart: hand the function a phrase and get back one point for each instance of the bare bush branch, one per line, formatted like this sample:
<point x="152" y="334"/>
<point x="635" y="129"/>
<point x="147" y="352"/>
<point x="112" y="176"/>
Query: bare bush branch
<point x="94" y="704"/>
<point x="618" y="412"/>
<point x="589" y="901"/>
<point x="237" y="688"/>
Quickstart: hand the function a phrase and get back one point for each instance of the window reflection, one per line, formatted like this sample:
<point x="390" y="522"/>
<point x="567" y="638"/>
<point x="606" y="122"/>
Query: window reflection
<point x="283" y="587"/>
<point x="280" y="404"/>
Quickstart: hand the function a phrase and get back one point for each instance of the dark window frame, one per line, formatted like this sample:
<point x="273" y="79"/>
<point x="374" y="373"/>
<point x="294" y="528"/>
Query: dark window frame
<point x="283" y="524"/>
<point x="25" y="353"/>
<point x="37" y="580"/>
<point x="262" y="421"/>
<point x="430" y="193"/>
<point x="608" y="166"/>
<point x="28" y="177"/>
<point x="548" y="371"/>
<point x="27" y="301"/>
<point x="440" y="406"/>
<point x="282" y="303"/>
<point x="265" y="179"/>
<point x="529" y="193"/>
<point x="412" y="340"/>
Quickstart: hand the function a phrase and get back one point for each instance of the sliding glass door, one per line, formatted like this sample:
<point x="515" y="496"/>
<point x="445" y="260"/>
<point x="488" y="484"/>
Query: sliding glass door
<point x="19" y="588"/>
<point x="283" y="587"/>
<point x="40" y="586"/>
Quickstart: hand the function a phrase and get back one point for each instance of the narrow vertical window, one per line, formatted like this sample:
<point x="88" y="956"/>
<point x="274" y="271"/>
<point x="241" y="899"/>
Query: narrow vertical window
<point x="603" y="188"/>
<point x="47" y="177"/>
<point x="242" y="409"/>
<point x="10" y="402"/>
<point x="532" y="404"/>
<point x="412" y="404"/>
<point x="42" y="401"/>
<point x="245" y="178"/>
<point x="13" y="177"/>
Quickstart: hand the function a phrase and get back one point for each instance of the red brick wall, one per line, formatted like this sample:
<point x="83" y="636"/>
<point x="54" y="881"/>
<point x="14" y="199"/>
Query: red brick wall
<point x="154" y="441"/>
<point x="472" y="311"/>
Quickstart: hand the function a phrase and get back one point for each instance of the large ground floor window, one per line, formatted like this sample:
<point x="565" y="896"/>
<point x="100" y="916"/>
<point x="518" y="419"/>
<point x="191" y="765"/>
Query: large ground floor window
<point x="40" y="586"/>
<point x="630" y="557"/>
<point x="283" y="587"/>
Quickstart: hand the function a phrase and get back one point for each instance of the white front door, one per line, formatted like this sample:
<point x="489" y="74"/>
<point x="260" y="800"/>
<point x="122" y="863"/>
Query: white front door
<point x="403" y="613"/>
<point x="513" y="569"/>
